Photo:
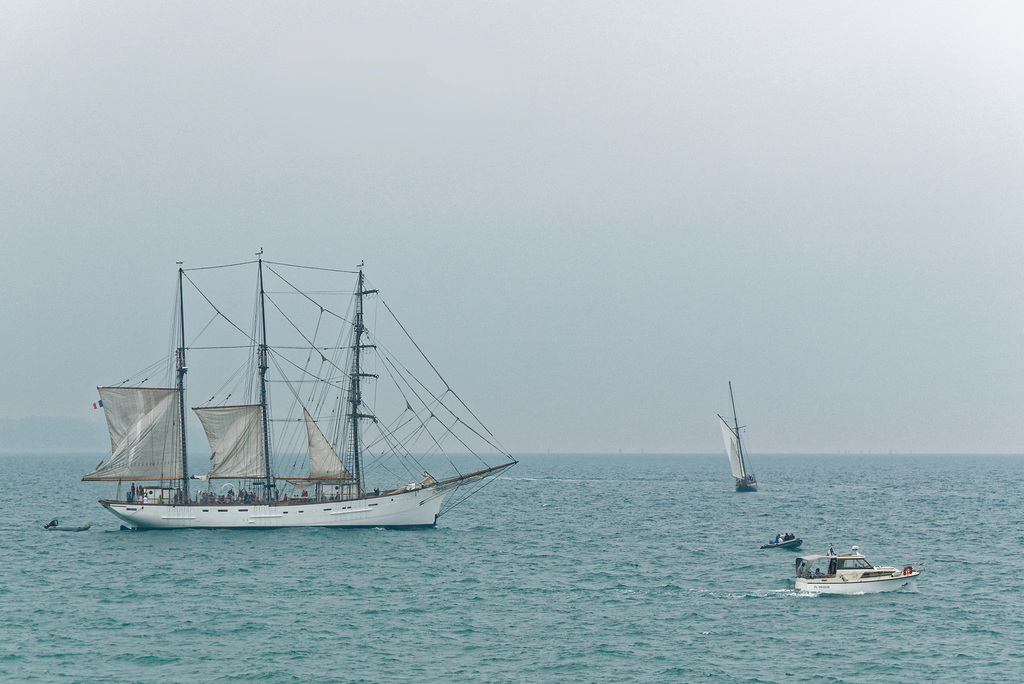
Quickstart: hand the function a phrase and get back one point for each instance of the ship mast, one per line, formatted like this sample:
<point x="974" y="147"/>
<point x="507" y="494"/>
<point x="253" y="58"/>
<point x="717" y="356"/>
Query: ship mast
<point x="263" y="364"/>
<point x="180" y="386"/>
<point x="736" y="429"/>
<point x="355" y="379"/>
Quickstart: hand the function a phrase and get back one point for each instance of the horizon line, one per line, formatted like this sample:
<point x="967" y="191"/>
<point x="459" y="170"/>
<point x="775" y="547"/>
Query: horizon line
<point x="87" y="452"/>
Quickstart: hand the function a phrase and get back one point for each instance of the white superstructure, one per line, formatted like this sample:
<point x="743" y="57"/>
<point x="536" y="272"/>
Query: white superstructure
<point x="850" y="573"/>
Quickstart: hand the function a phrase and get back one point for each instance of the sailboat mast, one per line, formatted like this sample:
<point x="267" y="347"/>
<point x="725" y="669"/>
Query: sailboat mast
<point x="736" y="429"/>
<point x="355" y="381"/>
<point x="180" y="386"/>
<point x="262" y="360"/>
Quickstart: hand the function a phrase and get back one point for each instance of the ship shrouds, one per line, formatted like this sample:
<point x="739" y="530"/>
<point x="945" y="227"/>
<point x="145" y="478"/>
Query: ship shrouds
<point x="329" y="457"/>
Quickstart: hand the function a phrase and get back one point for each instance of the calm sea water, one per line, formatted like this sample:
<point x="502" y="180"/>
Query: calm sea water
<point x="632" y="568"/>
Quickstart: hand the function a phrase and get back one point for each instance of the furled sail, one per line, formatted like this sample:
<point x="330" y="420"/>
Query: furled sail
<point x="236" y="440"/>
<point x="732" y="448"/>
<point x="145" y="435"/>
<point x="324" y="463"/>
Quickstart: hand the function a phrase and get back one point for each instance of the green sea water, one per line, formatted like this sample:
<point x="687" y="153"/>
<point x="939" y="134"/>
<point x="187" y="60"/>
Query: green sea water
<point x="626" y="568"/>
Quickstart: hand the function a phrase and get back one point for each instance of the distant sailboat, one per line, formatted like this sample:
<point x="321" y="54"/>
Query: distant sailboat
<point x="745" y="481"/>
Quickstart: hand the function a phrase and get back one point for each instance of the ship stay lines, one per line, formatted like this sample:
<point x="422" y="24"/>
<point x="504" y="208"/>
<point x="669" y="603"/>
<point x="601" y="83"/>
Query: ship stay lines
<point x="354" y="469"/>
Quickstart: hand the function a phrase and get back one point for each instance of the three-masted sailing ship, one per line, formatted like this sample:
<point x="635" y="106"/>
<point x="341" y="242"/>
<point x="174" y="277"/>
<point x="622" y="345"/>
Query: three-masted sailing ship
<point x="745" y="480"/>
<point x="350" y="465"/>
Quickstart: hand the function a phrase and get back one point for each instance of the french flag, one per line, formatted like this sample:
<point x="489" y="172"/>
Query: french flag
<point x="98" y="404"/>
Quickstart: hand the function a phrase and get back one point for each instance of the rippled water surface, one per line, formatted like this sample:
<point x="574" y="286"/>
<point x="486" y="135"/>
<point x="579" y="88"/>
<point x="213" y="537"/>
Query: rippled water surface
<point x="569" y="569"/>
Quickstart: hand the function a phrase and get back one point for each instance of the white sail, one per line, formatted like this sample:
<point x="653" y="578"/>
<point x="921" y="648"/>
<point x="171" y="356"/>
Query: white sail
<point x="732" y="448"/>
<point x="324" y="463"/>
<point x="145" y="438"/>
<point x="236" y="439"/>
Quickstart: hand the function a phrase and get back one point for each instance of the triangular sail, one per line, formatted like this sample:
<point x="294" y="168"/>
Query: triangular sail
<point x="145" y="436"/>
<point x="324" y="463"/>
<point x="732" y="448"/>
<point x="236" y="439"/>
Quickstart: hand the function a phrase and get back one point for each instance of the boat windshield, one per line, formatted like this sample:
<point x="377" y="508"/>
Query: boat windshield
<point x="827" y="566"/>
<point x="854" y="564"/>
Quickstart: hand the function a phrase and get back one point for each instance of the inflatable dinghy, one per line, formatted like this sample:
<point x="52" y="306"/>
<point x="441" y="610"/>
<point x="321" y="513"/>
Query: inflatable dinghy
<point x="55" y="526"/>
<point x="788" y="544"/>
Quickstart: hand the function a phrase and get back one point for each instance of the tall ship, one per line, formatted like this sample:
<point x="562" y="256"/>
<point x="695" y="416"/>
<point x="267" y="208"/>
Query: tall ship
<point x="745" y="480"/>
<point x="337" y="447"/>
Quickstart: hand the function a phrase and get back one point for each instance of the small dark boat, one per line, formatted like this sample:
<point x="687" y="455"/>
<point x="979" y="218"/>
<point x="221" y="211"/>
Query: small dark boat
<point x="788" y="544"/>
<point x="746" y="484"/>
<point x="55" y="526"/>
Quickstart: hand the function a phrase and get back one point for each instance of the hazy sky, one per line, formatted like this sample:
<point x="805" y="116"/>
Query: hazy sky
<point x="591" y="215"/>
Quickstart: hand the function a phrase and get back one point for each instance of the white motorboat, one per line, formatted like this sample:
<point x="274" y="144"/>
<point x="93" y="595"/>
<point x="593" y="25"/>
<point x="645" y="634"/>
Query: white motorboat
<point x="850" y="573"/>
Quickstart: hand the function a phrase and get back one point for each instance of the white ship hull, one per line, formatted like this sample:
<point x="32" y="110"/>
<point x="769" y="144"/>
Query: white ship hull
<point x="418" y="508"/>
<point x="871" y="586"/>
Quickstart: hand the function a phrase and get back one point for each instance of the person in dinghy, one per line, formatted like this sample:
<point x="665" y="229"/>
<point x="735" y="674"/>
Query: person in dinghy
<point x="786" y="540"/>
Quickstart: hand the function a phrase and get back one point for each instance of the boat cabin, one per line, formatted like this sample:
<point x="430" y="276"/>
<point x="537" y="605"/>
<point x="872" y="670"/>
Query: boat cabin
<point x="157" y="495"/>
<point x="844" y="566"/>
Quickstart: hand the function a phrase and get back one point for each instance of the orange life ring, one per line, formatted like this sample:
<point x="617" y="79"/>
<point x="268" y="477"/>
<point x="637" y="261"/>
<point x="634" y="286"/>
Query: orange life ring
<point x="907" y="570"/>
